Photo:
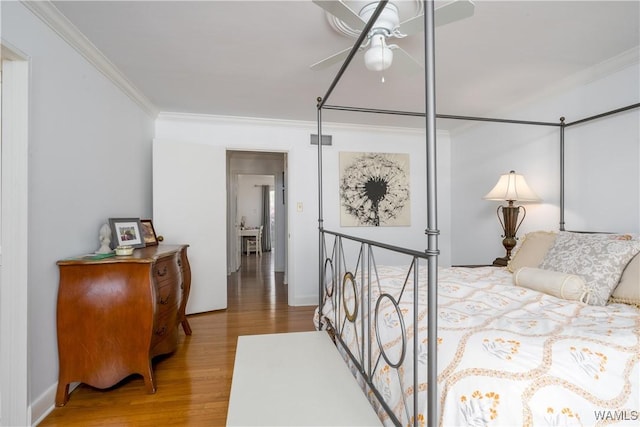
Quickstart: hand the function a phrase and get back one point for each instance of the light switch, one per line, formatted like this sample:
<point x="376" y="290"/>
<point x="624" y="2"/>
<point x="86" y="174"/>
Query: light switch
<point x="299" y="207"/>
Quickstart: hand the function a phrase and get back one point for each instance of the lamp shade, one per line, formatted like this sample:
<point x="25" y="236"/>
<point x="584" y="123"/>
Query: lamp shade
<point x="512" y="187"/>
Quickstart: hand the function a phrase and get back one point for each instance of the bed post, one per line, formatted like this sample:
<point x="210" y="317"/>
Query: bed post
<point x="432" y="221"/>
<point x="320" y="218"/>
<point x="562" y="126"/>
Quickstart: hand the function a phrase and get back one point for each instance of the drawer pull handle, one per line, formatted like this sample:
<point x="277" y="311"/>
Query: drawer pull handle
<point x="179" y="263"/>
<point x="161" y="331"/>
<point x="163" y="272"/>
<point x="164" y="301"/>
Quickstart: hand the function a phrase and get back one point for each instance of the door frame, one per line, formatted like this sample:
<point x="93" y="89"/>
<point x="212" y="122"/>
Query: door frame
<point x="233" y="263"/>
<point x="14" y="370"/>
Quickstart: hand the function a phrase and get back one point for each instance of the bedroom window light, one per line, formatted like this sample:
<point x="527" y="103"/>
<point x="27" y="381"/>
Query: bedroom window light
<point x="510" y="188"/>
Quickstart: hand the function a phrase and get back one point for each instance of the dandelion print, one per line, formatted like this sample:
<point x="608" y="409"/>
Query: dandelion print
<point x="374" y="189"/>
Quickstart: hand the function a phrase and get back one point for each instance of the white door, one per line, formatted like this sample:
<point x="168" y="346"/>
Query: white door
<point x="189" y="195"/>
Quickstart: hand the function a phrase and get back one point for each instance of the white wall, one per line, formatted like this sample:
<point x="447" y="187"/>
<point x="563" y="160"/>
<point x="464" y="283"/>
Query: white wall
<point x="250" y="197"/>
<point x="89" y="159"/>
<point x="293" y="138"/>
<point x="602" y="167"/>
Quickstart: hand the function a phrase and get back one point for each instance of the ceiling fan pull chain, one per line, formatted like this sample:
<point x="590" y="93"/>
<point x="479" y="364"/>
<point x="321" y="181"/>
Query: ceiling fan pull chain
<point x="382" y="49"/>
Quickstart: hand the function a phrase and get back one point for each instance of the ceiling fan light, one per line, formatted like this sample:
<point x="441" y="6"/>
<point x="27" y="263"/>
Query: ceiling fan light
<point x="378" y="57"/>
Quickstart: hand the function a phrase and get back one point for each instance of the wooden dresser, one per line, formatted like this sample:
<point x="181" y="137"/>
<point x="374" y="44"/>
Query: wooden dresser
<point x="115" y="314"/>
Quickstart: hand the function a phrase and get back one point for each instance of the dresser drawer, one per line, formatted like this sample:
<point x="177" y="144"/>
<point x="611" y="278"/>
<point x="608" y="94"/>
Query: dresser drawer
<point x="166" y="270"/>
<point x="168" y="296"/>
<point x="164" y="323"/>
<point x="165" y="328"/>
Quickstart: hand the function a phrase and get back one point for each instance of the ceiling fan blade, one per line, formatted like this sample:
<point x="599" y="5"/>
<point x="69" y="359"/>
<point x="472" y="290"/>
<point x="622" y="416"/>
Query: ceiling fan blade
<point x="343" y="12"/>
<point x="403" y="61"/>
<point x="454" y="11"/>
<point x="333" y="59"/>
<point x="450" y="12"/>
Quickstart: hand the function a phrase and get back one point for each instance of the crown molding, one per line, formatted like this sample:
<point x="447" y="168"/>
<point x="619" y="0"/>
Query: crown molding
<point x="50" y="15"/>
<point x="236" y="120"/>
<point x="257" y="121"/>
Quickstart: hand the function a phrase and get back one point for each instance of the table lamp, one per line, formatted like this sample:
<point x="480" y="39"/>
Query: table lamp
<point x="511" y="188"/>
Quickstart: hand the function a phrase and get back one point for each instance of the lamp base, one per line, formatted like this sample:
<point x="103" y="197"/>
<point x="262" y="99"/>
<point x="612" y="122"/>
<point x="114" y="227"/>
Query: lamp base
<point x="500" y="262"/>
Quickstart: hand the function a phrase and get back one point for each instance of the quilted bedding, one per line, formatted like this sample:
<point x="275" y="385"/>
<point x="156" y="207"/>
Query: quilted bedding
<point x="507" y="356"/>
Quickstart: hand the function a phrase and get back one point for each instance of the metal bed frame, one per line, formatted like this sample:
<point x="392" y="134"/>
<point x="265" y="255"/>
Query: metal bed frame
<point x="334" y="276"/>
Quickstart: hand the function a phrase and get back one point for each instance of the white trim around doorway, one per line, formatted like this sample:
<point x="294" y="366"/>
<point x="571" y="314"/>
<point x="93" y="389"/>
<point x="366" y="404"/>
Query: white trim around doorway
<point x="14" y="372"/>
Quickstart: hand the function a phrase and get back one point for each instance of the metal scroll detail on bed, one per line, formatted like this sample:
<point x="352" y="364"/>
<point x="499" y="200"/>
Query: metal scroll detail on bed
<point x="356" y="305"/>
<point x="482" y="351"/>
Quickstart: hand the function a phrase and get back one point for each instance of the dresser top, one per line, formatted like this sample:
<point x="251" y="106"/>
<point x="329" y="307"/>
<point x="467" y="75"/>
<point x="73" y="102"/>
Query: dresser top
<point x="150" y="254"/>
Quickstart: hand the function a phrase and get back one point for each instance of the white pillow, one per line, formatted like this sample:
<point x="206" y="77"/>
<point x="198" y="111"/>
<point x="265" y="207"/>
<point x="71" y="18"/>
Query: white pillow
<point x="598" y="258"/>
<point x="560" y="285"/>
<point x="532" y="249"/>
<point x="628" y="289"/>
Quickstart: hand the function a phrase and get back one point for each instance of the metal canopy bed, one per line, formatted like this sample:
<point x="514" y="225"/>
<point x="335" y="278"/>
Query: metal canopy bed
<point x="352" y="296"/>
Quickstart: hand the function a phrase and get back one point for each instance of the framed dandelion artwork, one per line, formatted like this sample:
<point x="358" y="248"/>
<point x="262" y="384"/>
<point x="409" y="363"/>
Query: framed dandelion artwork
<point x="374" y="190"/>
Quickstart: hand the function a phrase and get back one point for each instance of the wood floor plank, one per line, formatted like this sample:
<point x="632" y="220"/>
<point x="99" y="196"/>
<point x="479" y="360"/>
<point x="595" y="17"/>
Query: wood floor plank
<point x="195" y="381"/>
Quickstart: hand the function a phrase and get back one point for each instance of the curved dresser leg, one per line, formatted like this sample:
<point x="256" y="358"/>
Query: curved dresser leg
<point x="150" y="381"/>
<point x="186" y="327"/>
<point x="62" y="395"/>
<point x="186" y="289"/>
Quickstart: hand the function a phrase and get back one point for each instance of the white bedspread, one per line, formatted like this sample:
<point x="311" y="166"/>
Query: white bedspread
<point x="509" y="356"/>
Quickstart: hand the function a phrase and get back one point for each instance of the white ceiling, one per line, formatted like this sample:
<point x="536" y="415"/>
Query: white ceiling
<point x="251" y="58"/>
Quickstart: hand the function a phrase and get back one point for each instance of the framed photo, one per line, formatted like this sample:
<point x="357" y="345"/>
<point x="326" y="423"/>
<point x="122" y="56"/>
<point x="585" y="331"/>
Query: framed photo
<point x="148" y="233"/>
<point x="126" y="231"/>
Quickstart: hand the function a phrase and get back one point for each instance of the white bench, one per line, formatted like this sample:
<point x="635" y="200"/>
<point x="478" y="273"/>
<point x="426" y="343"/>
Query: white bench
<point x="295" y="379"/>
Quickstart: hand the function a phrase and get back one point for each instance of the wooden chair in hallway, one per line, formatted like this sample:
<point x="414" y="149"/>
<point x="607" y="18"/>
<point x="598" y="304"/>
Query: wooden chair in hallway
<point x="255" y="243"/>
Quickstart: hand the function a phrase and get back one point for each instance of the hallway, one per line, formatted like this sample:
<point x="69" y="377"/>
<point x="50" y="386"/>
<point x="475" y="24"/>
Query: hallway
<point x="194" y="382"/>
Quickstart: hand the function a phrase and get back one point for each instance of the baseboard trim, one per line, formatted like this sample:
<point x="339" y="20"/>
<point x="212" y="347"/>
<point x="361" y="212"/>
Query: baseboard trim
<point x="305" y="301"/>
<point x="46" y="402"/>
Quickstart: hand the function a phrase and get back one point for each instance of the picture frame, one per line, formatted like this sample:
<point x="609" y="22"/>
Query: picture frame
<point x="374" y="189"/>
<point x="126" y="232"/>
<point x="148" y="233"/>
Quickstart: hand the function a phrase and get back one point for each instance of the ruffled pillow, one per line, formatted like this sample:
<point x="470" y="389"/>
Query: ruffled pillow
<point x="599" y="258"/>
<point x="628" y="289"/>
<point x="560" y="285"/>
<point x="532" y="249"/>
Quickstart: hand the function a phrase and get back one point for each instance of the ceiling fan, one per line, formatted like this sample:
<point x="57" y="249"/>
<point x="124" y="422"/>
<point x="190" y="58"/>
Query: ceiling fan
<point x="379" y="53"/>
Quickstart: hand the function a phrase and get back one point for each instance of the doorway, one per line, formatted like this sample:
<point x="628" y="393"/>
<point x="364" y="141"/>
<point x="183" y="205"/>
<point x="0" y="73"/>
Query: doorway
<point x="247" y="174"/>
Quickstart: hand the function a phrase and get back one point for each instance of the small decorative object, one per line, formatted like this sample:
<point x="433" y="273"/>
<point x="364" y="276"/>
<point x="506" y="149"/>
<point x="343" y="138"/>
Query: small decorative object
<point x="243" y="222"/>
<point x="124" y="250"/>
<point x="127" y="232"/>
<point x="105" y="239"/>
<point x="510" y="188"/>
<point x="148" y="233"/>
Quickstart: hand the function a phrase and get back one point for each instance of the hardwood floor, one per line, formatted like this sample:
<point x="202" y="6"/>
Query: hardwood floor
<point x="194" y="382"/>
